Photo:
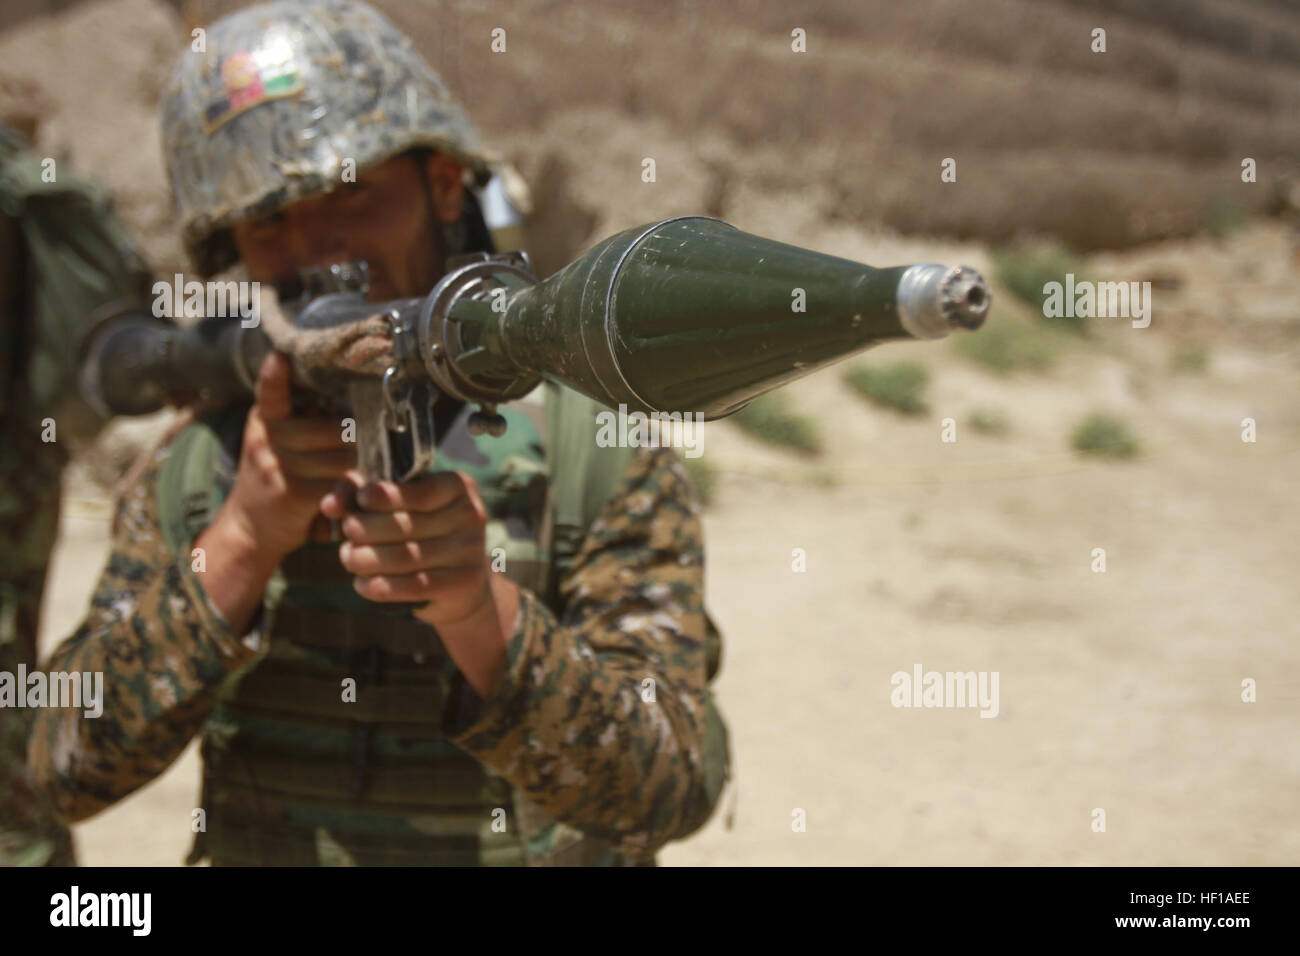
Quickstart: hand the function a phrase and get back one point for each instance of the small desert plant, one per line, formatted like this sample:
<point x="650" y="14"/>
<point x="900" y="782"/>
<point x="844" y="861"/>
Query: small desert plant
<point x="1103" y="435"/>
<point x="704" y="477"/>
<point x="1223" y="217"/>
<point x="770" y="419"/>
<point x="824" y="478"/>
<point x="990" y="421"/>
<point x="1026" y="273"/>
<point x="1007" y="345"/>
<point x="1191" y="358"/>
<point x="900" y="386"/>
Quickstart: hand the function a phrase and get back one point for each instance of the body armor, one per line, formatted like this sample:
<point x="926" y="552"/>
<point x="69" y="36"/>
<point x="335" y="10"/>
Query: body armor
<point x="297" y="774"/>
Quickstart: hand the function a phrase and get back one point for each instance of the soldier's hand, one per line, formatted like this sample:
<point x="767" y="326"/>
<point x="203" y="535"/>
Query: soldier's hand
<point x="286" y="464"/>
<point x="425" y="541"/>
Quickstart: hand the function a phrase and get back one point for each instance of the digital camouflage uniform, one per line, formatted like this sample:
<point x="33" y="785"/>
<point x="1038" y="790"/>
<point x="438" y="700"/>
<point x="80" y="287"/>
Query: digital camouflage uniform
<point x="64" y="260"/>
<point x="601" y="741"/>
<point x="417" y="768"/>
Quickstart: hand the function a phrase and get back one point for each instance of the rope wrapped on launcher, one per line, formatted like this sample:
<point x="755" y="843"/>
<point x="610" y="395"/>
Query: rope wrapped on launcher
<point x="348" y="355"/>
<point x="327" y="359"/>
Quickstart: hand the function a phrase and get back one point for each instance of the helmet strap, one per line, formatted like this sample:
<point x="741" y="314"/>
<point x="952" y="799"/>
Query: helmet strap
<point x="453" y="237"/>
<point x="453" y="233"/>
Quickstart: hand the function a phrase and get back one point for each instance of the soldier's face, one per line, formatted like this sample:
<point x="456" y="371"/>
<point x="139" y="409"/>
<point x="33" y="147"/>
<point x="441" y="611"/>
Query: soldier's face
<point x="383" y="218"/>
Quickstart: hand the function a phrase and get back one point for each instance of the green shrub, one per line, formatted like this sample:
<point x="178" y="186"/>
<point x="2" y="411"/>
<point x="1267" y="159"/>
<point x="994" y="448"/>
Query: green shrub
<point x="769" y="418"/>
<point x="1100" y="434"/>
<point x="1025" y="273"/>
<point x="1224" y="217"/>
<point x="1190" y="358"/>
<point x="1007" y="345"/>
<point x="990" y="421"/>
<point x="824" y="478"/>
<point x="704" y="477"/>
<point x="900" y="386"/>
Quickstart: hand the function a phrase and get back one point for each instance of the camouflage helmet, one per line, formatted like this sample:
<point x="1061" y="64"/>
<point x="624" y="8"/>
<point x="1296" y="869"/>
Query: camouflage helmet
<point x="278" y="100"/>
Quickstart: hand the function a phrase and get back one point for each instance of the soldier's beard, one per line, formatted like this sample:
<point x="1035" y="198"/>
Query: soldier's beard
<point x="427" y="259"/>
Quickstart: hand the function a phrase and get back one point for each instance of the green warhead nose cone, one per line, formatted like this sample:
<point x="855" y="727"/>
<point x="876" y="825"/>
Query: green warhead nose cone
<point x="692" y="315"/>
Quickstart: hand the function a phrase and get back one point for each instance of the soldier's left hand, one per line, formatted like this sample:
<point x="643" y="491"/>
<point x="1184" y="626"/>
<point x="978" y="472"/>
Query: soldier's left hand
<point x="425" y="541"/>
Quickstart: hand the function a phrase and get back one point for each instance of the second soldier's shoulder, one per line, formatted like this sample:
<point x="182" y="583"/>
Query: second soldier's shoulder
<point x="196" y="453"/>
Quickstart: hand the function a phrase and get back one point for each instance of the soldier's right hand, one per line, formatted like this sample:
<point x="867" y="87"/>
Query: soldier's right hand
<point x="287" y="464"/>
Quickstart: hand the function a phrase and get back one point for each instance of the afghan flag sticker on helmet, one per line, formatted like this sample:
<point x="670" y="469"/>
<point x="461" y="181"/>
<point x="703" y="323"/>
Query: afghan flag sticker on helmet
<point x="250" y="78"/>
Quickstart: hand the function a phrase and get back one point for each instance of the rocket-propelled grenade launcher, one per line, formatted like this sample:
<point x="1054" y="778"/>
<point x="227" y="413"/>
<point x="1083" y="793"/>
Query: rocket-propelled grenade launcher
<point x="686" y="315"/>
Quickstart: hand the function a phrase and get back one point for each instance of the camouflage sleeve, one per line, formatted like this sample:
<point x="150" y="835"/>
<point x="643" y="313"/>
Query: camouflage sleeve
<point x="599" y="718"/>
<point x="163" y="649"/>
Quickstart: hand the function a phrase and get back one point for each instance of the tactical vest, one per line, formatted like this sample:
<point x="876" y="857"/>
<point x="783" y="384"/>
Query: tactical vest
<point x="296" y="775"/>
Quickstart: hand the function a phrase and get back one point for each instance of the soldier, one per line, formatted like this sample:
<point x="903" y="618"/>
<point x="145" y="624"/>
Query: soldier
<point x="396" y="698"/>
<point x="65" y="263"/>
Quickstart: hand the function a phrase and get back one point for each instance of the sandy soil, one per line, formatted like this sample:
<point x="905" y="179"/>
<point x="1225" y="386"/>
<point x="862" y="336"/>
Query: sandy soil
<point x="1118" y="691"/>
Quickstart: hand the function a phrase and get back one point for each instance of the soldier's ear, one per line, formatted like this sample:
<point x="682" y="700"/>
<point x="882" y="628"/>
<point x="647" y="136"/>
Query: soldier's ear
<point x="446" y="185"/>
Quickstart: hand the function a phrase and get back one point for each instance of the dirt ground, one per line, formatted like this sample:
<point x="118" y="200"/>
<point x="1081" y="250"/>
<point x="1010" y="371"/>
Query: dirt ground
<point x="1118" y="690"/>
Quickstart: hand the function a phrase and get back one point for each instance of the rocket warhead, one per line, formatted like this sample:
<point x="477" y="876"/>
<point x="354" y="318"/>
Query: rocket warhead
<point x="686" y="315"/>
<point x="933" y="300"/>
